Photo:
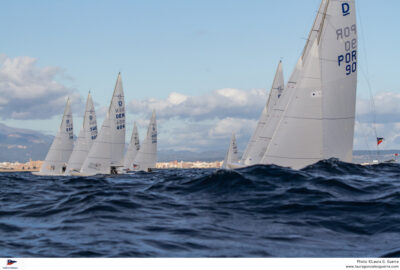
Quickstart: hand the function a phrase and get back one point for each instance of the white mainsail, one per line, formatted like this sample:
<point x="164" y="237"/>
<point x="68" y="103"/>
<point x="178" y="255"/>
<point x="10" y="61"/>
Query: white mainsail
<point x="232" y="154"/>
<point x="338" y="50"/>
<point x="87" y="135"/>
<point x="318" y="121"/>
<point x="61" y="148"/>
<point x="133" y="149"/>
<point x="106" y="152"/>
<point x="146" y="158"/>
<point x="117" y="124"/>
<point x="259" y="141"/>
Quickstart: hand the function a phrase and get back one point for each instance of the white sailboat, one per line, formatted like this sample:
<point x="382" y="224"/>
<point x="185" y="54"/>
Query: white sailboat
<point x="106" y="153"/>
<point x="133" y="149"/>
<point x="87" y="135"/>
<point x="318" y="119"/>
<point x="231" y="157"/>
<point x="261" y="137"/>
<point x="61" y="148"/>
<point x="146" y="158"/>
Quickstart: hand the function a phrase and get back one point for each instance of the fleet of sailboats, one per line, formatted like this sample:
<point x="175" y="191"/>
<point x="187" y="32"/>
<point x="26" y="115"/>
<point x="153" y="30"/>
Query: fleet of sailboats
<point x="100" y="151"/>
<point x="309" y="119"/>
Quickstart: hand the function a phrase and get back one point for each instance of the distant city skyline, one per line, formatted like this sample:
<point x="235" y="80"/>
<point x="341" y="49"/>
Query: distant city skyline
<point x="205" y="66"/>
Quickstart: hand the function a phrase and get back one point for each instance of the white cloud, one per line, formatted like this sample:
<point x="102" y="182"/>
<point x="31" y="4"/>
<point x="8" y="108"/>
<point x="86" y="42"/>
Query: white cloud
<point x="384" y="107"/>
<point x="31" y="92"/>
<point x="204" y="135"/>
<point x="205" y="122"/>
<point x="220" y="103"/>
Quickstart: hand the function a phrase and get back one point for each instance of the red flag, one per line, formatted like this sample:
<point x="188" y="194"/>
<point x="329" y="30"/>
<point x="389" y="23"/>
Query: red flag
<point x="379" y="140"/>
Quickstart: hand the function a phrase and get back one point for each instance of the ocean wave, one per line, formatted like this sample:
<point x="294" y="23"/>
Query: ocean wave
<point x="328" y="209"/>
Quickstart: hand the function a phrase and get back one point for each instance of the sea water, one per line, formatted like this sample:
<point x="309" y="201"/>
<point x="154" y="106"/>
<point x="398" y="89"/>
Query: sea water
<point x="330" y="209"/>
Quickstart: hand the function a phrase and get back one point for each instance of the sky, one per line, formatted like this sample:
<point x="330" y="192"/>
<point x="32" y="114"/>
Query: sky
<point x="205" y="66"/>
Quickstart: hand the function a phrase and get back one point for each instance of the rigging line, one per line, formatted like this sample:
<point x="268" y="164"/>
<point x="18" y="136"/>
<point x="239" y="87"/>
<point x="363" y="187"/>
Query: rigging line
<point x="366" y="76"/>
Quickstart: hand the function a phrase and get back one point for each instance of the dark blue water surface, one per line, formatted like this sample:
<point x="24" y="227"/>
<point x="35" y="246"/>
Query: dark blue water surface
<point x="330" y="209"/>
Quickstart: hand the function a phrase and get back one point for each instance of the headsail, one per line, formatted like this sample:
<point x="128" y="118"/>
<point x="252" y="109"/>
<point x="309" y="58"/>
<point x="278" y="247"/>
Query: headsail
<point x="318" y="121"/>
<point x="259" y="141"/>
<point x="232" y="154"/>
<point x="99" y="157"/>
<point x="133" y="149"/>
<point x="146" y="158"/>
<point x="298" y="138"/>
<point x="87" y="135"/>
<point x="61" y="148"/>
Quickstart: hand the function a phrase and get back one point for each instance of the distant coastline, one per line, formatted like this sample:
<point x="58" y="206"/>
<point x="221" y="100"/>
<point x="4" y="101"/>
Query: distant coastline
<point x="34" y="166"/>
<point x="359" y="156"/>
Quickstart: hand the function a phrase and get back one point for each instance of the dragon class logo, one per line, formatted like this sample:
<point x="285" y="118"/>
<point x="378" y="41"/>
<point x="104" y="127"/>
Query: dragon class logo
<point x="345" y="9"/>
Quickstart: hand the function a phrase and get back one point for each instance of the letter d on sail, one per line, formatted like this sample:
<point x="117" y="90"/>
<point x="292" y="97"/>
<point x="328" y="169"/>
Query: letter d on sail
<point x="345" y="9"/>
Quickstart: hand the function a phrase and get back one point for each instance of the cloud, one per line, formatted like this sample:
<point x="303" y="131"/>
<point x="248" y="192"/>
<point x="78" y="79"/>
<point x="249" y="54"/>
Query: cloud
<point x="219" y="104"/>
<point x="384" y="108"/>
<point x="31" y="92"/>
<point x="205" y="122"/>
<point x="207" y="135"/>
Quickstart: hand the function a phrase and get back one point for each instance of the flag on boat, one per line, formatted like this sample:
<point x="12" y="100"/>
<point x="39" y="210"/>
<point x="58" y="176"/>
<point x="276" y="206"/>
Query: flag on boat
<point x="379" y="140"/>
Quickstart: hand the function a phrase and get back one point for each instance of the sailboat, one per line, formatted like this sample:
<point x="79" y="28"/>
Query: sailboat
<point x="146" y="158"/>
<point x="87" y="135"/>
<point x="61" y="148"/>
<point x="106" y="154"/>
<point x="313" y="118"/>
<point x="133" y="149"/>
<point x="231" y="157"/>
<point x="318" y="119"/>
<point x="261" y="137"/>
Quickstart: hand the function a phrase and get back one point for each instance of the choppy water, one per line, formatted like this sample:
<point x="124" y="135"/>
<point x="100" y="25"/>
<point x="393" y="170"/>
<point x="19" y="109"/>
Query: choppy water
<point x="330" y="209"/>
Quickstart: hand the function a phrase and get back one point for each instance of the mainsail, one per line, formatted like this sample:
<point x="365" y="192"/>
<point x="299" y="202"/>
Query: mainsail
<point x="318" y="119"/>
<point x="232" y="154"/>
<point x="87" y="135"/>
<point x="259" y="141"/>
<point x="61" y="148"/>
<point x="133" y="149"/>
<point x="106" y="152"/>
<point x="146" y="158"/>
<point x="117" y="124"/>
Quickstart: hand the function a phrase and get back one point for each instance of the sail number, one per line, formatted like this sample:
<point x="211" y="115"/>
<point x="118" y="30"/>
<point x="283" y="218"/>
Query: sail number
<point x="348" y="59"/>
